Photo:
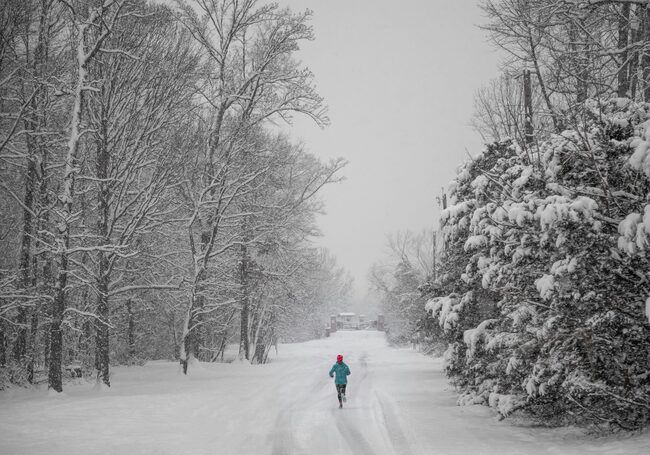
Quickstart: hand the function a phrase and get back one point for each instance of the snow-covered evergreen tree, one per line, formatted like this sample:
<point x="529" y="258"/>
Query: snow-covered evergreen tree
<point x="545" y="285"/>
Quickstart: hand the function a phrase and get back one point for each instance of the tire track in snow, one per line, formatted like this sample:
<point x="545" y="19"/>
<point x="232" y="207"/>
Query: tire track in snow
<point x="354" y="439"/>
<point x="283" y="440"/>
<point x="393" y="429"/>
<point x="292" y="415"/>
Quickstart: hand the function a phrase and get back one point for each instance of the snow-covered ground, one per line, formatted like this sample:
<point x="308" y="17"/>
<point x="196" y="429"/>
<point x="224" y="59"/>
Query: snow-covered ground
<point x="399" y="403"/>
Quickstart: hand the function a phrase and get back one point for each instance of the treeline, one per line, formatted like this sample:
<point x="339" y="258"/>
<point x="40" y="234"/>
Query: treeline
<point x="411" y="260"/>
<point x="150" y="209"/>
<point x="542" y="288"/>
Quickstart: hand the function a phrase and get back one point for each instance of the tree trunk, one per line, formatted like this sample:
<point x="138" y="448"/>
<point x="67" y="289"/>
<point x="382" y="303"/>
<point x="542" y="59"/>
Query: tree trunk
<point x="31" y="345"/>
<point x="35" y="123"/>
<point x="45" y="259"/>
<point x="64" y="202"/>
<point x="56" y="335"/>
<point x="191" y="341"/>
<point x="623" y="38"/>
<point x="131" y="330"/>
<point x="102" y="334"/>
<point x="645" y="58"/>
<point x="264" y="338"/>
<point x="528" y="108"/>
<point x="31" y="128"/>
<point x="637" y="36"/>
<point x="20" y="345"/>
<point x="193" y="319"/>
<point x="3" y="345"/>
<point x="96" y="20"/>
<point x="223" y="343"/>
<point x="103" y="260"/>
<point x="244" y="342"/>
<point x="579" y="58"/>
<point x="47" y="342"/>
<point x="557" y="124"/>
<point x="260" y="350"/>
<point x="171" y="321"/>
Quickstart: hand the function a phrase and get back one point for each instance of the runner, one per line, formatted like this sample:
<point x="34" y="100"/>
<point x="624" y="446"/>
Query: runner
<point x="341" y="370"/>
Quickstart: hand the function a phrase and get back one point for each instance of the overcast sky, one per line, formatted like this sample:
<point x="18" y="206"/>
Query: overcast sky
<point x="399" y="79"/>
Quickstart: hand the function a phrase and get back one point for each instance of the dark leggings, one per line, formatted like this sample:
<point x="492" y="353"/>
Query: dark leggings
<point x="340" y="389"/>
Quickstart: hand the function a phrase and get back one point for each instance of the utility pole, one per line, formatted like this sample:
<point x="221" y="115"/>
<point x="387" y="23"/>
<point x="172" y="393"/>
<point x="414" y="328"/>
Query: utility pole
<point x="528" y="108"/>
<point x="434" y="243"/>
<point x="444" y="206"/>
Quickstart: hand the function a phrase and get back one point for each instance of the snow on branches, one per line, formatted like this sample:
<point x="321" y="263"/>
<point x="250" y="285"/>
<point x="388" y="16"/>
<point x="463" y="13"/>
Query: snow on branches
<point x="544" y="296"/>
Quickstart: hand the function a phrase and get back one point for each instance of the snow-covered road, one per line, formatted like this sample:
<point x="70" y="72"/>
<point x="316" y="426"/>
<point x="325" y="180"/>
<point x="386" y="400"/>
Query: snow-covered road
<point x="399" y="403"/>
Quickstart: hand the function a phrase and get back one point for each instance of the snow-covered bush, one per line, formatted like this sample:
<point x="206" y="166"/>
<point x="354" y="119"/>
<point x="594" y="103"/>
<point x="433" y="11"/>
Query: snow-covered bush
<point x="547" y="262"/>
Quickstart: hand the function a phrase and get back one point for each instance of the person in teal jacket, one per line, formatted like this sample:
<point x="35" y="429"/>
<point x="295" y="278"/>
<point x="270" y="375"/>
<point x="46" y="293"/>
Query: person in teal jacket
<point x="341" y="370"/>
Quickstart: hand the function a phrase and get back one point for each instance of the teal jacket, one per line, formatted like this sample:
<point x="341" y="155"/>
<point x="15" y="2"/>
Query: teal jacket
<point x="341" y="371"/>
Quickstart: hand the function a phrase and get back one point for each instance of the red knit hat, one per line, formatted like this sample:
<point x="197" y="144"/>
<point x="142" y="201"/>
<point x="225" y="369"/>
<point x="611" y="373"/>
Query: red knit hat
<point x="339" y="358"/>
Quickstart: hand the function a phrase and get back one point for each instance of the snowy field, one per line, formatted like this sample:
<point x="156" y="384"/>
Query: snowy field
<point x="399" y="403"/>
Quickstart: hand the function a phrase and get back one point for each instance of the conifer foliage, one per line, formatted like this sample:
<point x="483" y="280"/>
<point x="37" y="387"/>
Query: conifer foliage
<point x="543" y="296"/>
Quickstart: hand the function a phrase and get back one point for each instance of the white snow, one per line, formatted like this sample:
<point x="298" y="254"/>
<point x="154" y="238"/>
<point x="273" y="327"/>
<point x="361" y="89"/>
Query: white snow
<point x="523" y="179"/>
<point x="479" y="184"/>
<point x="622" y="122"/>
<point x="504" y="403"/>
<point x="399" y="402"/>
<point x="499" y="214"/>
<point x="445" y="309"/>
<point x="463" y="174"/>
<point x="490" y="274"/>
<point x="475" y="241"/>
<point x="483" y="262"/>
<point x="521" y="315"/>
<point x="471" y="337"/>
<point x="454" y="211"/>
<point x="640" y="159"/>
<point x="554" y="209"/>
<point x="545" y="286"/>
<point x="621" y="102"/>
<point x="633" y="232"/>
<point x="585" y="205"/>
<point x="518" y="213"/>
<point x="520" y="253"/>
<point x="563" y="267"/>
